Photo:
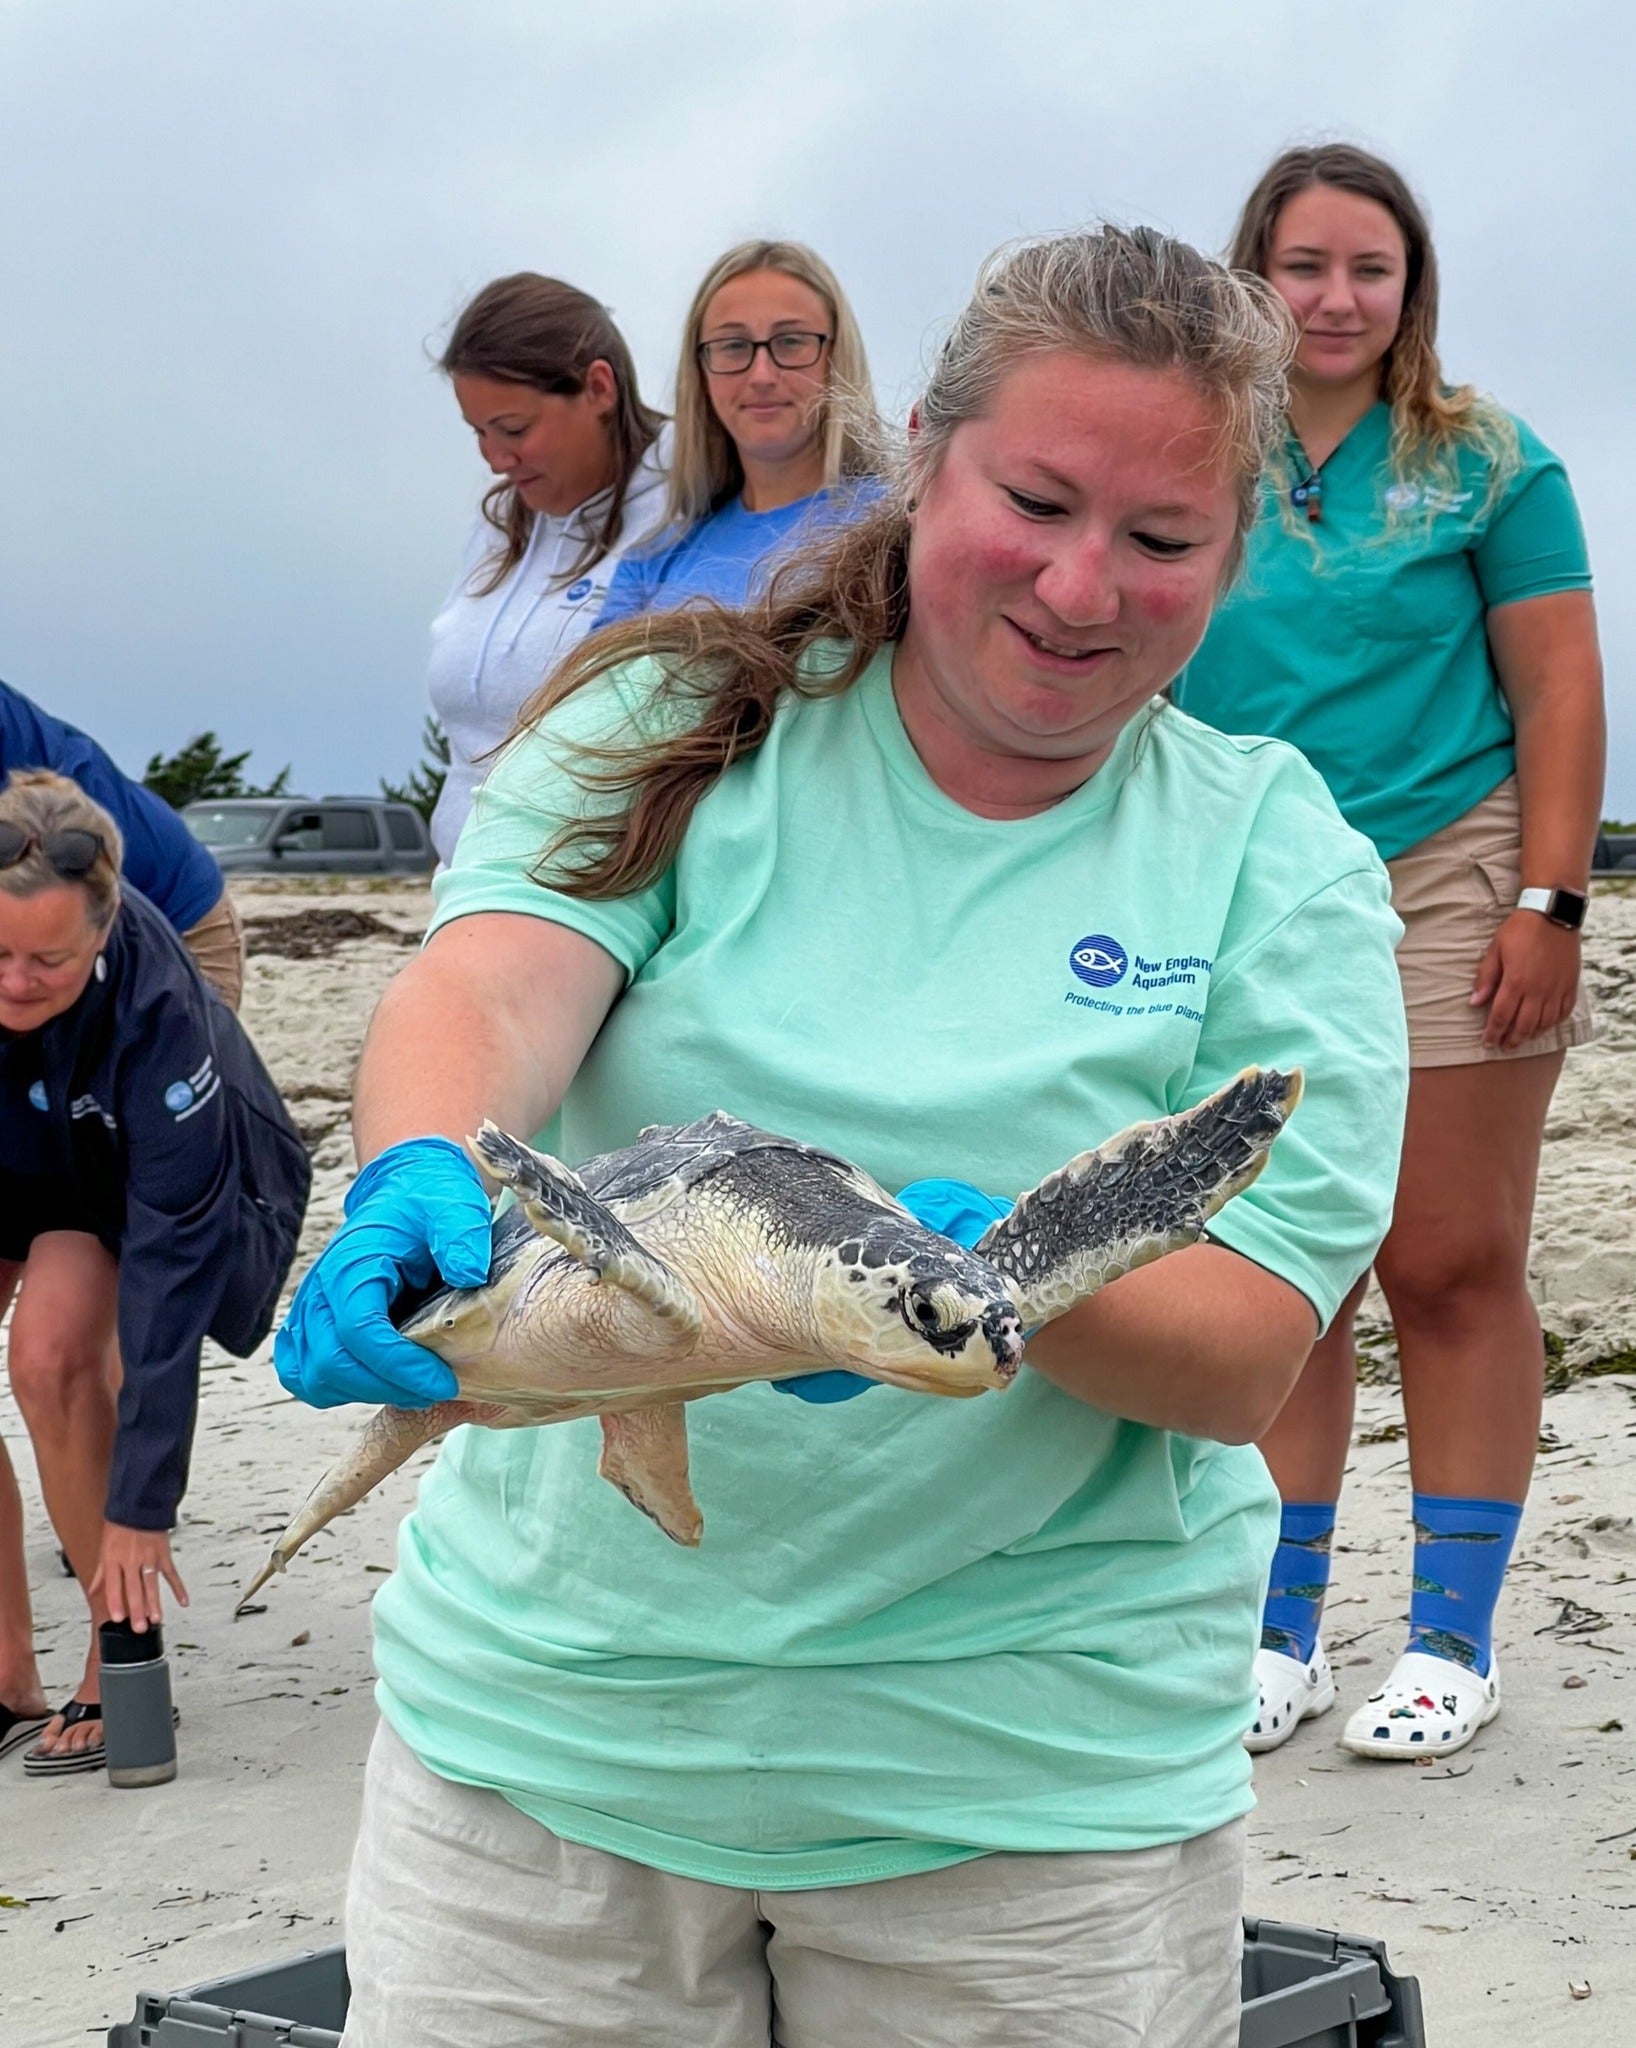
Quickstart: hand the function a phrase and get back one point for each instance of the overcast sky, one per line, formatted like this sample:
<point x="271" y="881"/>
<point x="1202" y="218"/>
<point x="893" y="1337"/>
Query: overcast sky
<point x="232" y="490"/>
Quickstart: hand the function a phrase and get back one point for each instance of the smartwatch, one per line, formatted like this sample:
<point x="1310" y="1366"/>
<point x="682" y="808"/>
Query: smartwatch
<point x="1565" y="907"/>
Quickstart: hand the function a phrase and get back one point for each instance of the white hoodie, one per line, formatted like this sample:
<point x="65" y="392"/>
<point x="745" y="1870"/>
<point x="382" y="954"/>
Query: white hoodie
<point x="490" y="654"/>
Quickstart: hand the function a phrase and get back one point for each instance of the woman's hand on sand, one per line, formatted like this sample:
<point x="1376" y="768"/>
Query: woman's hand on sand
<point x="133" y="1563"/>
<point x="1529" y="979"/>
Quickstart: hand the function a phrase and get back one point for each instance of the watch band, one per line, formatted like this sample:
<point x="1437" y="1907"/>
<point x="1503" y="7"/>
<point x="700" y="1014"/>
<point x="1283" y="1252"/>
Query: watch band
<point x="1565" y="907"/>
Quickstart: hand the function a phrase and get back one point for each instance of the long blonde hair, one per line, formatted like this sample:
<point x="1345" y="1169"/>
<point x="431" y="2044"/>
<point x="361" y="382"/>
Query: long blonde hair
<point x="1115" y="295"/>
<point x="1431" y="420"/>
<point x="39" y="803"/>
<point x="704" y="467"/>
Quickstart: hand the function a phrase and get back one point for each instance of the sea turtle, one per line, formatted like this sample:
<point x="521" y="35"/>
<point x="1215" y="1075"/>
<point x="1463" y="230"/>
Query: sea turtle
<point x="710" y="1254"/>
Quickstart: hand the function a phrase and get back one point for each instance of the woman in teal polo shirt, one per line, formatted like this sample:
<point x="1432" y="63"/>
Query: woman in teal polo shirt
<point x="1416" y="617"/>
<point x="938" y="1735"/>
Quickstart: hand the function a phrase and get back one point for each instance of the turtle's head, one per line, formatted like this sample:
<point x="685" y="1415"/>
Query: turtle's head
<point x="903" y="1305"/>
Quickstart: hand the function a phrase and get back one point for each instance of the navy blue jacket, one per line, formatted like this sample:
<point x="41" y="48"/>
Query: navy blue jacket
<point x="148" y="1099"/>
<point x="162" y="857"/>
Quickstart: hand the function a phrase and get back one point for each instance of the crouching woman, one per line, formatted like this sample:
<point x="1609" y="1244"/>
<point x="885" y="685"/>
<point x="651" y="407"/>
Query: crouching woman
<point x="152" y="1188"/>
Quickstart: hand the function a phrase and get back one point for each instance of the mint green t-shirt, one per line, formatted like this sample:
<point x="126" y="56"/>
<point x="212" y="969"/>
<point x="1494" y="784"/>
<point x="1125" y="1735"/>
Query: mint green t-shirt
<point x="1362" y="638"/>
<point x="916" y="1629"/>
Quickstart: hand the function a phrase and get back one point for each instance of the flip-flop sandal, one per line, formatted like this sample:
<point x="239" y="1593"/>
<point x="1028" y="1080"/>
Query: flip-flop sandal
<point x="1428" y="1707"/>
<point x="1290" y="1692"/>
<point x="45" y="1763"/>
<point x="15" y="1729"/>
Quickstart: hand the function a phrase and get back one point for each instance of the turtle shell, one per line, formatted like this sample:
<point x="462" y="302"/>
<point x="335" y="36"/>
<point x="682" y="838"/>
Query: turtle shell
<point x="669" y="1158"/>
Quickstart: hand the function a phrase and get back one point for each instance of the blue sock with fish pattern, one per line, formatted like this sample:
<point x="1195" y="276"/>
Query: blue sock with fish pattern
<point x="1300" y="1578"/>
<point x="1461" y="1550"/>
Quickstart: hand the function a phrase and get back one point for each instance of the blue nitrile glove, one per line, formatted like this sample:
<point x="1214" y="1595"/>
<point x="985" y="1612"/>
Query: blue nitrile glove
<point x="955" y="1208"/>
<point x="417" y="1211"/>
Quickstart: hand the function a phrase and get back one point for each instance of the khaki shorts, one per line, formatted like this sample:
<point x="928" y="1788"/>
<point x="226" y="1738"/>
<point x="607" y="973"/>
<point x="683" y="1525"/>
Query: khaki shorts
<point x="1453" y="892"/>
<point x="469" y="1925"/>
<point x="217" y="945"/>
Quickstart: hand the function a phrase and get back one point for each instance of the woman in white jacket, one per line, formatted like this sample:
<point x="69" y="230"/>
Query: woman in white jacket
<point x="545" y="380"/>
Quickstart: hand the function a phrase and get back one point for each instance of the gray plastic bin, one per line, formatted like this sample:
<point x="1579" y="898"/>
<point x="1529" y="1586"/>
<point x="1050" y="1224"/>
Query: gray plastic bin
<point x="298" y="2004"/>
<point x="1302" y="1989"/>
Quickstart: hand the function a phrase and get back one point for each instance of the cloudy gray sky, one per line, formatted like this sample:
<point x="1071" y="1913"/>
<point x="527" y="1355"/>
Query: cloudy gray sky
<point x="233" y="491"/>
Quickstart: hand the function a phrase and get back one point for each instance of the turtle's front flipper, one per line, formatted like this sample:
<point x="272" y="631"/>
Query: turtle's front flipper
<point x="644" y="1454"/>
<point x="1149" y="1191"/>
<point x="555" y="1201"/>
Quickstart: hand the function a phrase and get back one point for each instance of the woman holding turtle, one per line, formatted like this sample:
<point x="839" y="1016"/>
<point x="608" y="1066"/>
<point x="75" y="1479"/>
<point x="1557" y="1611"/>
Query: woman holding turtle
<point x="775" y="431"/>
<point x="151" y="1192"/>
<point x="939" y="1734"/>
<point x="1416" y="617"/>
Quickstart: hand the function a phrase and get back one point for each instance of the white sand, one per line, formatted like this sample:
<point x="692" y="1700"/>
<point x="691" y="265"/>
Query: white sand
<point x="1500" y="1877"/>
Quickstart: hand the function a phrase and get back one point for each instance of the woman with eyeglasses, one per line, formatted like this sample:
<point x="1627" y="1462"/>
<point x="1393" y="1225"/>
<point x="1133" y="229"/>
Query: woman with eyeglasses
<point x="775" y="433"/>
<point x="1417" y="618"/>
<point x="152" y="1188"/>
<point x="545" y="380"/>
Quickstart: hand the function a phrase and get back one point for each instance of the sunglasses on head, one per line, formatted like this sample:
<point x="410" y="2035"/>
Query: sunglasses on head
<point x="70" y="853"/>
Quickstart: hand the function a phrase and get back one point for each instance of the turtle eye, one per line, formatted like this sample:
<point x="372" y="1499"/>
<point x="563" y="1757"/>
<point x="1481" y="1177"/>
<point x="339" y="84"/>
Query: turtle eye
<point x="919" y="1311"/>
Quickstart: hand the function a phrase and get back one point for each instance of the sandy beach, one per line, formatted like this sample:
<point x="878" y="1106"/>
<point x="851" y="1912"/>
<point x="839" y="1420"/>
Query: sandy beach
<point x="1505" y="1877"/>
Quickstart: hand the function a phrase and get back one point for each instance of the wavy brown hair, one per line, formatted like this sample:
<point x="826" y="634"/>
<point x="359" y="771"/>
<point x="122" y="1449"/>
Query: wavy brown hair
<point x="538" y="331"/>
<point x="1431" y="419"/>
<point x="718" y="677"/>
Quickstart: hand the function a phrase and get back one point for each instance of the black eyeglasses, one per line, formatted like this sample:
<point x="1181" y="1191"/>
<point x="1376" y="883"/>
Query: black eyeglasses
<point x="732" y="355"/>
<point x="71" y="853"/>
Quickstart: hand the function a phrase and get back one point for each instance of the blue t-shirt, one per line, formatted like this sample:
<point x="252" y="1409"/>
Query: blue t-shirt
<point x="728" y="557"/>
<point x="162" y="857"/>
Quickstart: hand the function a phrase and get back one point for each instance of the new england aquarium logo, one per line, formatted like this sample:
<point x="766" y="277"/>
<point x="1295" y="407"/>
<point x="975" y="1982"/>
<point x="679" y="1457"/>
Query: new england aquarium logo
<point x="178" y="1096"/>
<point x="576" y="591"/>
<point x="38" y="1096"/>
<point x="1099" y="960"/>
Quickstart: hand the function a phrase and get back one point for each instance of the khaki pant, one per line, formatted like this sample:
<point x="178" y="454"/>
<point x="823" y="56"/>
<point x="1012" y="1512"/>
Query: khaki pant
<point x="1453" y="892"/>
<point x="217" y="945"/>
<point x="468" y="1925"/>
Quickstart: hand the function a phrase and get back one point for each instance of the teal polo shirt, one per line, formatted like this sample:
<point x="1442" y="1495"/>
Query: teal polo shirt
<point x="1361" y="638"/>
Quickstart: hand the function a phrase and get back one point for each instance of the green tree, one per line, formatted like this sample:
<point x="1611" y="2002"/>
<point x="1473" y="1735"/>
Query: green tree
<point x="424" y="784"/>
<point x="200" y="770"/>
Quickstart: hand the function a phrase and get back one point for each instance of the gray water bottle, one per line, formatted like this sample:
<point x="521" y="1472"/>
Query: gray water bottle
<point x="137" y="1726"/>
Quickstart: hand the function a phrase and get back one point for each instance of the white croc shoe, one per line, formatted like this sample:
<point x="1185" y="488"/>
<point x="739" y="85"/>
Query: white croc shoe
<point x="1291" y="1692"/>
<point x="1428" y="1707"/>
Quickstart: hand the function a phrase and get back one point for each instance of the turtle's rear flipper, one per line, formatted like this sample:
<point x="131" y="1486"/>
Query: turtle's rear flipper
<point x="390" y="1438"/>
<point x="1149" y="1191"/>
<point x="644" y="1454"/>
<point x="555" y="1201"/>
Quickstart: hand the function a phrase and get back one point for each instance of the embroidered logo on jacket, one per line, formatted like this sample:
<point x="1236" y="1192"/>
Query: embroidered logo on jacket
<point x="184" y="1098"/>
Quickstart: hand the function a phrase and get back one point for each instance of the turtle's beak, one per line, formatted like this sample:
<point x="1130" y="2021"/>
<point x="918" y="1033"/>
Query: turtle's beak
<point x="1002" y="1327"/>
